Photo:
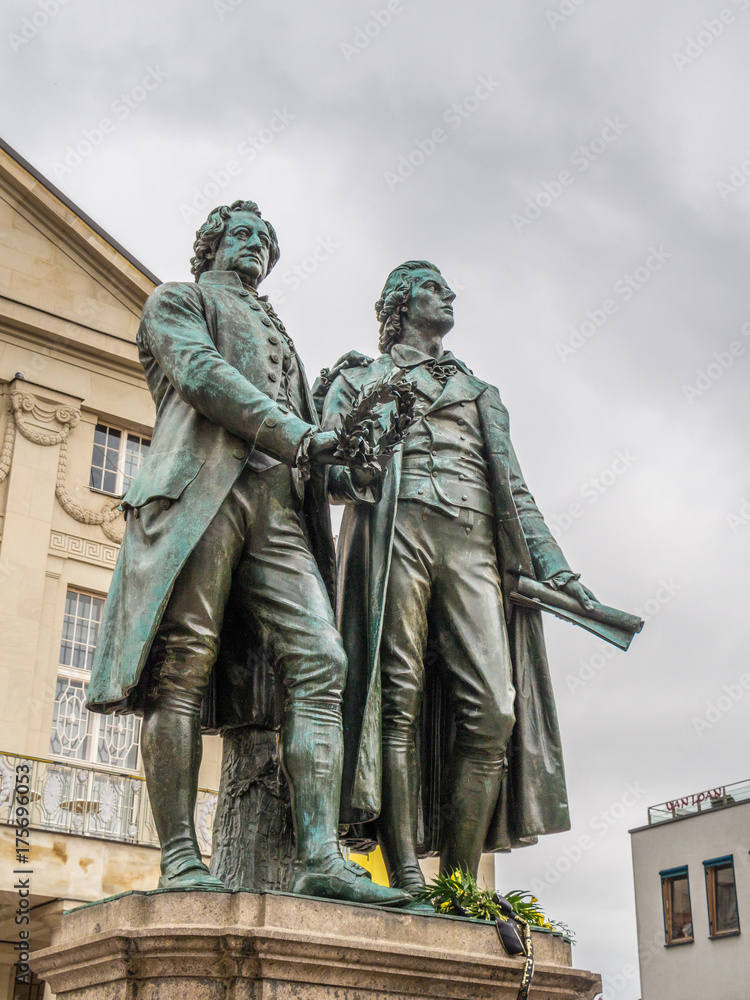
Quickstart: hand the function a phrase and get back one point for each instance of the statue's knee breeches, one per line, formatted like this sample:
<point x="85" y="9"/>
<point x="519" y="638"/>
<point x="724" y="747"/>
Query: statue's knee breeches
<point x="484" y="735"/>
<point x="179" y="674"/>
<point x="316" y="673"/>
<point x="401" y="704"/>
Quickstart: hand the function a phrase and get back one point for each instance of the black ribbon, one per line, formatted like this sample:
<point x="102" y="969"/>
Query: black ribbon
<point x="515" y="934"/>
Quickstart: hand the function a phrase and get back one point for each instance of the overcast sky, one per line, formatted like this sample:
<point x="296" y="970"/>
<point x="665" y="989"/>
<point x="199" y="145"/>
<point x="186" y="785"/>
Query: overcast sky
<point x="574" y="169"/>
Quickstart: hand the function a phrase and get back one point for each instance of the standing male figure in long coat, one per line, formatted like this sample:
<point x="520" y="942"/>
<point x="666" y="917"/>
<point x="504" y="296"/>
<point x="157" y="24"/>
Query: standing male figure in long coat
<point x="428" y="554"/>
<point x="220" y="509"/>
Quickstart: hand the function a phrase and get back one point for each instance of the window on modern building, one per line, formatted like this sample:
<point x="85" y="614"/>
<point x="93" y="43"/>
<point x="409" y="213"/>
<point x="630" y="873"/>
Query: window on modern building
<point x="115" y="460"/>
<point x="678" y="918"/>
<point x="77" y="734"/>
<point x="723" y="915"/>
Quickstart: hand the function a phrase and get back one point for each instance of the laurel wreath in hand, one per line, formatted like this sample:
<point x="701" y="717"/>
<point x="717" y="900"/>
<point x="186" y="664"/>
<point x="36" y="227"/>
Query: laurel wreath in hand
<point x="362" y="441"/>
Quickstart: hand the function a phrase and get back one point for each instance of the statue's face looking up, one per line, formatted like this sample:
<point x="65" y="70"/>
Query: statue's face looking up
<point x="430" y="304"/>
<point x="244" y="248"/>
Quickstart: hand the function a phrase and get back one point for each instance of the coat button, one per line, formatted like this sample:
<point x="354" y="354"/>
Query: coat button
<point x="271" y="422"/>
<point x="461" y="420"/>
<point x="275" y="358"/>
<point x="434" y="472"/>
<point x="239" y="454"/>
<point x="273" y="339"/>
<point x="273" y="376"/>
<point x="165" y="504"/>
<point x="464" y="497"/>
<point x="265" y="321"/>
<point x="463" y="475"/>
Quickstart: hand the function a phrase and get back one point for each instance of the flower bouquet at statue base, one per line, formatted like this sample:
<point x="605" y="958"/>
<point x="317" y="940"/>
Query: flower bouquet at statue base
<point x="514" y="915"/>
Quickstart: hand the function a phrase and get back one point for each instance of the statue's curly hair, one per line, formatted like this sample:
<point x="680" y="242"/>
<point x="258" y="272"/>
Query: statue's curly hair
<point x="391" y="305"/>
<point x="209" y="235"/>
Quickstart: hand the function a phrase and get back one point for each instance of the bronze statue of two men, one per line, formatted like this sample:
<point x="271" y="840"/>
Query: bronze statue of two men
<point x="421" y="708"/>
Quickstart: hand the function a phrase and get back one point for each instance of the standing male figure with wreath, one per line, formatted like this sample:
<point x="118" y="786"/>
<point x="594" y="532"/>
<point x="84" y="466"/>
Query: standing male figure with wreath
<point x="428" y="553"/>
<point x="220" y="512"/>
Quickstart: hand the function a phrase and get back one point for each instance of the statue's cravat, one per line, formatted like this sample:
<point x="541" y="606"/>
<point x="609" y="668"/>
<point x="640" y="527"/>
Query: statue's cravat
<point x="441" y="371"/>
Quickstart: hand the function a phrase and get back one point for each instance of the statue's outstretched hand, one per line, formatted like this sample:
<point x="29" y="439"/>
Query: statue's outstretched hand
<point x="362" y="478"/>
<point x="322" y="448"/>
<point x="582" y="594"/>
<point x="352" y="359"/>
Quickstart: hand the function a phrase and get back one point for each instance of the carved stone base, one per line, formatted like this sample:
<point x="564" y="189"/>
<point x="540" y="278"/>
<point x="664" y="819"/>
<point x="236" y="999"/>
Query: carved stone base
<point x="274" y="946"/>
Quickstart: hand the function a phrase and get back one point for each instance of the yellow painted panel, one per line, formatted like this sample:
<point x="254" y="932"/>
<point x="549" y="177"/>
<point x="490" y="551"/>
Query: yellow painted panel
<point x="374" y="863"/>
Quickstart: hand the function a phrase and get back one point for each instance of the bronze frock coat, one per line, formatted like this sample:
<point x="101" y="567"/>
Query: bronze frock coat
<point x="533" y="797"/>
<point x="212" y="357"/>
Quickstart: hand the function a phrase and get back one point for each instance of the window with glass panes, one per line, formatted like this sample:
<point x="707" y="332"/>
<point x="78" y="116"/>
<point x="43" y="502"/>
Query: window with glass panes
<point x="116" y="458"/>
<point x="78" y="734"/>
<point x="723" y="915"/>
<point x="678" y="916"/>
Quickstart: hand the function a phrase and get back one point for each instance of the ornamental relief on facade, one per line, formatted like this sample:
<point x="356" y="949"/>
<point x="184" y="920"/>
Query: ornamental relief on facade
<point x="24" y="407"/>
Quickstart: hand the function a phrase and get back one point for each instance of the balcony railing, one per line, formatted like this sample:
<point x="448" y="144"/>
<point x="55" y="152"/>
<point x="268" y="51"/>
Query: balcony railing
<point x="68" y="797"/>
<point x="690" y="805"/>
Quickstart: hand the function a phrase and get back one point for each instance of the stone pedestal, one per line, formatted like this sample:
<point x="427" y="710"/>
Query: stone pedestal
<point x="273" y="946"/>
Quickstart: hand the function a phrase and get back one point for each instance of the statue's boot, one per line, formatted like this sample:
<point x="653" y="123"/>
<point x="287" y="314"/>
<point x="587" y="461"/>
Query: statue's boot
<point x="472" y="788"/>
<point x="172" y="748"/>
<point x="397" y="823"/>
<point x="312" y="755"/>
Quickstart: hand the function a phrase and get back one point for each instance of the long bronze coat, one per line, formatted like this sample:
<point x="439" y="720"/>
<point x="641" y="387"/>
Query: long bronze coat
<point x="212" y="360"/>
<point x="533" y="798"/>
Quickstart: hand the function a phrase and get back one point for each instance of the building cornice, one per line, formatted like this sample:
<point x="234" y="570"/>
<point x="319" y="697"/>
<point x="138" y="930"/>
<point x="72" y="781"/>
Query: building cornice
<point x="66" y="338"/>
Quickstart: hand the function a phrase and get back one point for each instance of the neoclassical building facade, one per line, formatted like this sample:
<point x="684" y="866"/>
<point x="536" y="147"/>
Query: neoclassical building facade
<point x="75" y="422"/>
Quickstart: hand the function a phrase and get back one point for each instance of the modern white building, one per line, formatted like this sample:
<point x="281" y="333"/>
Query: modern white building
<point x="691" y="865"/>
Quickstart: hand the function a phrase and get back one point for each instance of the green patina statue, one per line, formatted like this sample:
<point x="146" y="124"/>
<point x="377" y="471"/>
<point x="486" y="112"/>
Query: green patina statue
<point x="228" y="541"/>
<point x="451" y="736"/>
